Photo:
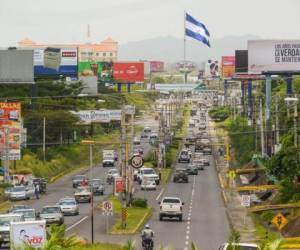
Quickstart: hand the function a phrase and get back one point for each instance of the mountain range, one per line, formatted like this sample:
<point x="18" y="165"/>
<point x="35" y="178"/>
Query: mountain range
<point x="170" y="49"/>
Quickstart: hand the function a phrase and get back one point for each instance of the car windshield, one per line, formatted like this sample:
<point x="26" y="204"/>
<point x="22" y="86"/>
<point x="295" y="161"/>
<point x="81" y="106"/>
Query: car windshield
<point x="79" y="177"/>
<point x="81" y="190"/>
<point x="26" y="213"/>
<point x="18" y="189"/>
<point x="5" y="221"/>
<point x="171" y="200"/>
<point x="96" y="182"/>
<point x="179" y="171"/>
<point x="50" y="210"/>
<point x="67" y="203"/>
<point x="148" y="171"/>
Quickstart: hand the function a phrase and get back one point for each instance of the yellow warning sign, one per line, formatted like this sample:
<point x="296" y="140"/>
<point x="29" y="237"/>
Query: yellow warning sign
<point x="231" y="175"/>
<point x="279" y="221"/>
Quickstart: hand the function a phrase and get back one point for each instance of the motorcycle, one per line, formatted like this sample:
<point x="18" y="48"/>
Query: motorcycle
<point x="147" y="244"/>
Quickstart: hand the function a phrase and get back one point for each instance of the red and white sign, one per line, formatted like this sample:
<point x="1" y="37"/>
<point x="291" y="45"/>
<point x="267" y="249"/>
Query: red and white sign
<point x="119" y="185"/>
<point x="157" y="66"/>
<point x="107" y="208"/>
<point x="129" y="71"/>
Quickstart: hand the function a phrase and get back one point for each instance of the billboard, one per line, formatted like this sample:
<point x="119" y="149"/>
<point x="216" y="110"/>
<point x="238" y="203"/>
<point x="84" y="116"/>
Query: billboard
<point x="98" y="116"/>
<point x="273" y="56"/>
<point x="128" y="71"/>
<point x="157" y="66"/>
<point x="241" y="61"/>
<point x="16" y="66"/>
<point x="31" y="233"/>
<point x="228" y="66"/>
<point x="211" y="68"/>
<point x="101" y="69"/>
<point x="67" y="67"/>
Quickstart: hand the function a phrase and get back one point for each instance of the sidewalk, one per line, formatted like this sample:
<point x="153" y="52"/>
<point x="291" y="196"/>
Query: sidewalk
<point x="238" y="217"/>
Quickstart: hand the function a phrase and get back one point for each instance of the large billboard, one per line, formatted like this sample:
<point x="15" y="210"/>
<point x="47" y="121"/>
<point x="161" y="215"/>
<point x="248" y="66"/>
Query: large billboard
<point x="67" y="67"/>
<point x="273" y="56"/>
<point x="228" y="66"/>
<point x="241" y="61"/>
<point x="156" y="66"/>
<point x="128" y="71"/>
<point x="211" y="69"/>
<point x="98" y="116"/>
<point x="16" y="66"/>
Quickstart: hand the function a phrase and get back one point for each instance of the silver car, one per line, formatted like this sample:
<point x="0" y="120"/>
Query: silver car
<point x="52" y="214"/>
<point x="68" y="206"/>
<point x="28" y="214"/>
<point x="20" y="193"/>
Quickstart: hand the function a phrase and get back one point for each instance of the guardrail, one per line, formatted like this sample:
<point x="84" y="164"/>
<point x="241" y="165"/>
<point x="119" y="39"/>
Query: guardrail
<point x="273" y="207"/>
<point x="257" y="188"/>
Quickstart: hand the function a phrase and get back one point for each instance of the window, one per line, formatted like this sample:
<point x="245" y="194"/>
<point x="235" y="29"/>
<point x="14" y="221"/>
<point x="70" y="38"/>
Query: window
<point x="111" y="54"/>
<point x="97" y="54"/>
<point x="83" y="53"/>
<point x="104" y="54"/>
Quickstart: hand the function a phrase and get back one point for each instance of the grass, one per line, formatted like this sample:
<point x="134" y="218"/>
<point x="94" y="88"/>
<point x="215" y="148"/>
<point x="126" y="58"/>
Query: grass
<point x="135" y="220"/>
<point x="100" y="246"/>
<point x="165" y="174"/>
<point x="260" y="230"/>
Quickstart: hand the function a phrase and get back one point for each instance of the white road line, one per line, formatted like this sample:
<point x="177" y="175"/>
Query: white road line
<point x="77" y="223"/>
<point x="188" y="222"/>
<point x="160" y="193"/>
<point x="187" y="237"/>
<point x="187" y="242"/>
<point x="188" y="227"/>
<point x="188" y="232"/>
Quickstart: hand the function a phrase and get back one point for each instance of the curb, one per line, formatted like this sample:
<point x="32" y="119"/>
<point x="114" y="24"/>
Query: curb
<point x="139" y="225"/>
<point x="290" y="246"/>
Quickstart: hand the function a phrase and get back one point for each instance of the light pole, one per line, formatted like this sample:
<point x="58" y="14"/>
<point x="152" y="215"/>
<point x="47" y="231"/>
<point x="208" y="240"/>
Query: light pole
<point x="91" y="143"/>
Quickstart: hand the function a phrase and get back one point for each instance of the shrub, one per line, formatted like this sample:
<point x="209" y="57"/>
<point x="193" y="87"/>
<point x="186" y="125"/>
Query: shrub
<point x="267" y="216"/>
<point x="139" y="202"/>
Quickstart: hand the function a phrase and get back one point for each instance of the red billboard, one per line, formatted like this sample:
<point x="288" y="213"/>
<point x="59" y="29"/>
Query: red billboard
<point x="157" y="66"/>
<point x="128" y="71"/>
<point x="228" y="66"/>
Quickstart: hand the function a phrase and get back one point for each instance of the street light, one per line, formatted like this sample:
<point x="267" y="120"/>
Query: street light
<point x="91" y="143"/>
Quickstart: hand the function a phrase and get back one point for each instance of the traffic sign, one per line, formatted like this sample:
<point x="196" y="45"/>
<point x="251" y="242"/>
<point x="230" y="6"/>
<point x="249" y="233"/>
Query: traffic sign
<point x="231" y="174"/>
<point x="136" y="161"/>
<point x="246" y="200"/>
<point x="107" y="208"/>
<point x="279" y="221"/>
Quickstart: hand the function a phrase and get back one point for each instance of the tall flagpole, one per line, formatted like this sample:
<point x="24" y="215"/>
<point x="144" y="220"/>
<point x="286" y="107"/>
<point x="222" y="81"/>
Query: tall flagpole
<point x="184" y="49"/>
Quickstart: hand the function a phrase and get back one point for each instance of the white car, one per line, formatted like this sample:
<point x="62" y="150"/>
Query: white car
<point x="204" y="141"/>
<point x="148" y="184"/>
<point x="68" y="206"/>
<point x="21" y="193"/>
<point x="28" y="214"/>
<point x="171" y="207"/>
<point x="83" y="194"/>
<point x="147" y="173"/>
<point x="52" y="214"/>
<point x="240" y="246"/>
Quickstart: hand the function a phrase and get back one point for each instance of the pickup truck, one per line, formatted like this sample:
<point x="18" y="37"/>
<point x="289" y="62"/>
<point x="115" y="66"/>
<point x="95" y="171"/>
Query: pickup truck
<point x="83" y="194"/>
<point x="184" y="156"/>
<point x="170" y="207"/>
<point x="147" y="173"/>
<point x="108" y="158"/>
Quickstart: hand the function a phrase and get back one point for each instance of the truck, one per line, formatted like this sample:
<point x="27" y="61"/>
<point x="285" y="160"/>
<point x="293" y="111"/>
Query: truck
<point x="170" y="207"/>
<point x="108" y="158"/>
<point x="32" y="233"/>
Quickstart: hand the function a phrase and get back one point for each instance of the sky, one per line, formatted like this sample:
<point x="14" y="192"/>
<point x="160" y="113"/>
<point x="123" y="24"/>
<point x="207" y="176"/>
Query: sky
<point x="65" y="21"/>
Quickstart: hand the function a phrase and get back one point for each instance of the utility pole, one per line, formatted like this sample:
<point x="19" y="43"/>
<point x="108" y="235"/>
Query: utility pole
<point x="295" y="124"/>
<point x="92" y="196"/>
<point x="261" y="129"/>
<point x="44" y="139"/>
<point x="276" y="121"/>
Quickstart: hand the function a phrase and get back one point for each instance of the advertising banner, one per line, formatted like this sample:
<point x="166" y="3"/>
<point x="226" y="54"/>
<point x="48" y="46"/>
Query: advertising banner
<point x="98" y="116"/>
<point x="228" y="66"/>
<point x="157" y="66"/>
<point x="241" y="61"/>
<point x="119" y="186"/>
<point x="32" y="233"/>
<point x="211" y="69"/>
<point x="273" y="56"/>
<point x="16" y="66"/>
<point x="10" y="111"/>
<point x="101" y="69"/>
<point x="128" y="71"/>
<point x="67" y="67"/>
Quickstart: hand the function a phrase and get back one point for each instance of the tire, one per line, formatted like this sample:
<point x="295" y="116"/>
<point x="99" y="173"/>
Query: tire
<point x="160" y="218"/>
<point x="74" y="186"/>
<point x="180" y="217"/>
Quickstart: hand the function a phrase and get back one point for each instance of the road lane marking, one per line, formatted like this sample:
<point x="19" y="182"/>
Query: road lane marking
<point x="160" y="193"/>
<point x="76" y="223"/>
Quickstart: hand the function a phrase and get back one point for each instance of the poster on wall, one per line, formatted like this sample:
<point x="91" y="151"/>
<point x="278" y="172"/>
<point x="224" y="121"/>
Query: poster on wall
<point x="273" y="56"/>
<point x="228" y="66"/>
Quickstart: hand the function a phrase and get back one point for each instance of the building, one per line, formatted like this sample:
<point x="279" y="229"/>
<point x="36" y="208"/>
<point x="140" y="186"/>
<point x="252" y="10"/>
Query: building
<point x="105" y="51"/>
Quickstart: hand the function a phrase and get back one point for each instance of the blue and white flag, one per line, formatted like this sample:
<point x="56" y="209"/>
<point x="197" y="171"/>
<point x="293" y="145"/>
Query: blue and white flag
<point x="196" y="30"/>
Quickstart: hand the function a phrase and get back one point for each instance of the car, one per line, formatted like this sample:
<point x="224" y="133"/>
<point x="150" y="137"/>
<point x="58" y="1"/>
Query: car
<point x="153" y="136"/>
<point x="147" y="130"/>
<point x="170" y="207"/>
<point x="21" y="193"/>
<point x="5" y="220"/>
<point x="68" y="206"/>
<point x="192" y="169"/>
<point x="180" y="175"/>
<point x="207" y="151"/>
<point x="202" y="126"/>
<point x="17" y="207"/>
<point x="204" y="141"/>
<point x="239" y="246"/>
<point x="29" y="214"/>
<point x="184" y="156"/>
<point x="111" y="175"/>
<point x="206" y="161"/>
<point x="148" y="184"/>
<point x="97" y="187"/>
<point x="136" y="141"/>
<point x="147" y="173"/>
<point x="83" y="194"/>
<point x="77" y="179"/>
<point x="52" y="215"/>
<point x="144" y="136"/>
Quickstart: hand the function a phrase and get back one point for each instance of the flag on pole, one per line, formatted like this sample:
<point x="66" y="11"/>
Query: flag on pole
<point x="196" y="30"/>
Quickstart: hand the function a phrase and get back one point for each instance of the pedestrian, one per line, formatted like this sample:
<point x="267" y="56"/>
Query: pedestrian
<point x="36" y="191"/>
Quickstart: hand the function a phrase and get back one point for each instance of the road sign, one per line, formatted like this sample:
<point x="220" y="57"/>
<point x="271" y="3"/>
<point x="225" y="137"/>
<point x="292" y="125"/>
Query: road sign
<point x="246" y="200"/>
<point x="279" y="221"/>
<point x="136" y="161"/>
<point x="119" y="185"/>
<point x="107" y="208"/>
<point x="231" y="175"/>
